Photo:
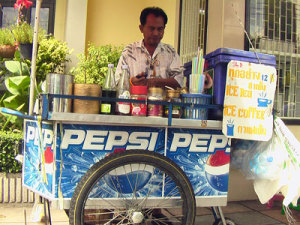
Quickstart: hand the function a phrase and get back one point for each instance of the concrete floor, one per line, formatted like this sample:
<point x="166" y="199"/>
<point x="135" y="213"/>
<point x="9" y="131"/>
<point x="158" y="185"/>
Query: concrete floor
<point x="248" y="213"/>
<point x="242" y="213"/>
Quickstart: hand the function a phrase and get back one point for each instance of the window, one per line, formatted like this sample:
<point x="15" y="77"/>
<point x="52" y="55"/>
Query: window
<point x="193" y="28"/>
<point x="8" y="14"/>
<point x="274" y="28"/>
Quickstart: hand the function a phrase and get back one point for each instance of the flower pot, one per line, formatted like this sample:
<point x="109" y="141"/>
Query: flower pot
<point x="86" y="106"/>
<point x="26" y="50"/>
<point x="7" y="51"/>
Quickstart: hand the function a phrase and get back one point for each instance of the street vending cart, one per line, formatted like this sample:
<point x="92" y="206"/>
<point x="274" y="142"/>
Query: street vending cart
<point x="113" y="169"/>
<point x="126" y="169"/>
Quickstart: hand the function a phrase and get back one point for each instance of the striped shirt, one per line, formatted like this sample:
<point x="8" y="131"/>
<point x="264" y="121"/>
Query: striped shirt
<point x="165" y="62"/>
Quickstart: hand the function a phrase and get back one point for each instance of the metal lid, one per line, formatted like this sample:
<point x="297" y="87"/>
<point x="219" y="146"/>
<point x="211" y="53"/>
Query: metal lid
<point x="173" y="93"/>
<point x="157" y="90"/>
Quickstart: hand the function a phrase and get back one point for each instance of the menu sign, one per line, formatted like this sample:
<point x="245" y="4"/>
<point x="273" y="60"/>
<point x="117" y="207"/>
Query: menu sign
<point x="248" y="101"/>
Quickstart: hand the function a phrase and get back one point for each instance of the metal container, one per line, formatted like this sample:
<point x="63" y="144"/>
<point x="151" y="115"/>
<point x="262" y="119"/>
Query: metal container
<point x="60" y="84"/>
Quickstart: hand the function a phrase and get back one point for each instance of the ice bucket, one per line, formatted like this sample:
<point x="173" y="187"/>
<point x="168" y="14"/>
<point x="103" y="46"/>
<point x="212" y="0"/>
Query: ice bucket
<point x="60" y="84"/>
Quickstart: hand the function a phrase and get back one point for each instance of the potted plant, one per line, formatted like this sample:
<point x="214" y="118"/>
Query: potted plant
<point x="90" y="74"/>
<point x="23" y="34"/>
<point x="51" y="58"/>
<point x="22" y="31"/>
<point x="7" y="43"/>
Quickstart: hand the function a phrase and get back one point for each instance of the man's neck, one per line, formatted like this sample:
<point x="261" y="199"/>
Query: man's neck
<point x="150" y="48"/>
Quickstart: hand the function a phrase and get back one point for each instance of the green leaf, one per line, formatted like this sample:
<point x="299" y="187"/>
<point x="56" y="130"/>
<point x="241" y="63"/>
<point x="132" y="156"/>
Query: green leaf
<point x="17" y="68"/>
<point x="11" y="102"/>
<point x="11" y="87"/>
<point x="17" y="85"/>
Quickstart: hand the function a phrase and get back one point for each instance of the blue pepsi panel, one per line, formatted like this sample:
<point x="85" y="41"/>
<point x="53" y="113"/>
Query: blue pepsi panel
<point x="204" y="155"/>
<point x="84" y="145"/>
<point x="38" y="176"/>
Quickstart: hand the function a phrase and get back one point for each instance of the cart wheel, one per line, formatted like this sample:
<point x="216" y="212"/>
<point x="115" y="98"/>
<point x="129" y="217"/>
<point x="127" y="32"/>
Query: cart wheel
<point x="124" y="188"/>
<point x="228" y="222"/>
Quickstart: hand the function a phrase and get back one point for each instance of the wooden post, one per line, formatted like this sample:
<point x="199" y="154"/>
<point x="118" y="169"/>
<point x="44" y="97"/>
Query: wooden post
<point x="33" y="60"/>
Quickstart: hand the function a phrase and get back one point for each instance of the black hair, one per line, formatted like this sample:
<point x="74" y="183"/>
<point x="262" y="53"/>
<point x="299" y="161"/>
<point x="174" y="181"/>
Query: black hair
<point x="155" y="11"/>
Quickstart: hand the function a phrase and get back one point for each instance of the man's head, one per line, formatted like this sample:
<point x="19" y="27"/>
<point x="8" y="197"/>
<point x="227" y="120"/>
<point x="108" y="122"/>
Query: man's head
<point x="155" y="11"/>
<point x="153" y="21"/>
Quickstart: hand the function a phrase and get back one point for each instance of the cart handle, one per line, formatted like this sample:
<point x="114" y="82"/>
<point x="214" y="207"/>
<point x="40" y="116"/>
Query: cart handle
<point x="17" y="113"/>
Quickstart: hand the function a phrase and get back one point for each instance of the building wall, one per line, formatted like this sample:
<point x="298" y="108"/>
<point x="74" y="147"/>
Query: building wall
<point x="104" y="22"/>
<point x="225" y="30"/>
<point x="60" y="19"/>
<point x="117" y="22"/>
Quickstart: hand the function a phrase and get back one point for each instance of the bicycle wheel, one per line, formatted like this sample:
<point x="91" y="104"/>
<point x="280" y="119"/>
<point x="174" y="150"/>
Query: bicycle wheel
<point x="228" y="222"/>
<point x="133" y="187"/>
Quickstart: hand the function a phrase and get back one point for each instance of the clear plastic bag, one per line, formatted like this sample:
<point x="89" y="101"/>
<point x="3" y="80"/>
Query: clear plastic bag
<point x="261" y="160"/>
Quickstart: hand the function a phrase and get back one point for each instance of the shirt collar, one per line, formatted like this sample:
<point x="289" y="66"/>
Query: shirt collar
<point x="159" y="48"/>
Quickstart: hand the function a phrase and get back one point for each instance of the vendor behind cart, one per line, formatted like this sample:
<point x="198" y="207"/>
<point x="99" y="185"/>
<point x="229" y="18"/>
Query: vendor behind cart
<point x="150" y="61"/>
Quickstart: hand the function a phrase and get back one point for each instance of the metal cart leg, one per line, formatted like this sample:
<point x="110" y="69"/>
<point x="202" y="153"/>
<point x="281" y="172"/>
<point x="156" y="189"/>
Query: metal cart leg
<point x="47" y="212"/>
<point x="220" y="219"/>
<point x="48" y="204"/>
<point x="222" y="215"/>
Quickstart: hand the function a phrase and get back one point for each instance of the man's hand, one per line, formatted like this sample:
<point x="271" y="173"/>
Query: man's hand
<point x="161" y="82"/>
<point x="139" y="80"/>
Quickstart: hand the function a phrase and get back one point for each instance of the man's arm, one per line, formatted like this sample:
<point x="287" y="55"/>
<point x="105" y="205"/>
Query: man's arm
<point x="160" y="82"/>
<point x="155" y="82"/>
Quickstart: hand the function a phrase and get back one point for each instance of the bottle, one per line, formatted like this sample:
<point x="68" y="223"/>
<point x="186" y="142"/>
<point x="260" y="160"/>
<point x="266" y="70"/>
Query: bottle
<point x="138" y="93"/>
<point x="109" y="91"/>
<point x="173" y="96"/>
<point x="155" y="94"/>
<point x="123" y="91"/>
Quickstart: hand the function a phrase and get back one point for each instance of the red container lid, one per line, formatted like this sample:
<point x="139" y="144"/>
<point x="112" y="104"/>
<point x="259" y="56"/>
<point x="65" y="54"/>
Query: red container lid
<point x="138" y="90"/>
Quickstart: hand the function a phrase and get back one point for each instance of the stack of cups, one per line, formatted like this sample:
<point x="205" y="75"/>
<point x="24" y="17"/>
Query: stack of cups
<point x="196" y="83"/>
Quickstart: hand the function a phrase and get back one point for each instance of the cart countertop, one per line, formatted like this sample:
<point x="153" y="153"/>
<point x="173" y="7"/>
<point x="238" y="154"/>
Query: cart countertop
<point x="133" y="120"/>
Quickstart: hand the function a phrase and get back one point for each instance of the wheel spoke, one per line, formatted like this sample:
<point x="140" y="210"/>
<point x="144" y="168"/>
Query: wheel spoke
<point x="139" y="186"/>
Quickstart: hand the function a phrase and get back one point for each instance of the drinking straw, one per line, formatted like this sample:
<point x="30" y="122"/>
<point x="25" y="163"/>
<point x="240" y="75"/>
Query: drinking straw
<point x="190" y="82"/>
<point x="195" y="65"/>
<point x="200" y="59"/>
<point x="197" y="82"/>
<point x="202" y="66"/>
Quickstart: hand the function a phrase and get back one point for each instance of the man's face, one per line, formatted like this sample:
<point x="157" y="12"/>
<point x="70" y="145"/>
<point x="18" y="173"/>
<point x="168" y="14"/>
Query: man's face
<point x="153" y="30"/>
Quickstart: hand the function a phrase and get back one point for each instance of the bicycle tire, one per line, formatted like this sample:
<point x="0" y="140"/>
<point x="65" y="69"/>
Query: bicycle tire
<point x="133" y="209"/>
<point x="227" y="220"/>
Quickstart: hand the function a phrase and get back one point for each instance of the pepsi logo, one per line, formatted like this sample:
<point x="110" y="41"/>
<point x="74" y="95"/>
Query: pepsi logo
<point x="217" y="170"/>
<point x="48" y="160"/>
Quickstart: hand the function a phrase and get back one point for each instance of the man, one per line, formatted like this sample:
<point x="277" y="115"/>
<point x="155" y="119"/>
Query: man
<point x="151" y="62"/>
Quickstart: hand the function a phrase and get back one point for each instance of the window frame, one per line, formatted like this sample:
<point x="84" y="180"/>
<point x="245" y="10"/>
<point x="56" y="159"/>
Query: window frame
<point x="282" y="72"/>
<point x="50" y="4"/>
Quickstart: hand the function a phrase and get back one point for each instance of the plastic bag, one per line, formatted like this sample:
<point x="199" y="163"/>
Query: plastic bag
<point x="288" y="182"/>
<point x="239" y="149"/>
<point x="261" y="160"/>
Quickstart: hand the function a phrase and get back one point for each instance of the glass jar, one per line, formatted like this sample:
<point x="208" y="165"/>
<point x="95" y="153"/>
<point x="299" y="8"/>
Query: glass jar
<point x="155" y="94"/>
<point x="138" y="93"/>
<point x="173" y="96"/>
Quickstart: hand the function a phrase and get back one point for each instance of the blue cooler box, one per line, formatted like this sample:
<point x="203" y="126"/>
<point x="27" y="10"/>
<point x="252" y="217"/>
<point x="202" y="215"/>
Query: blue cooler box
<point x="216" y="66"/>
